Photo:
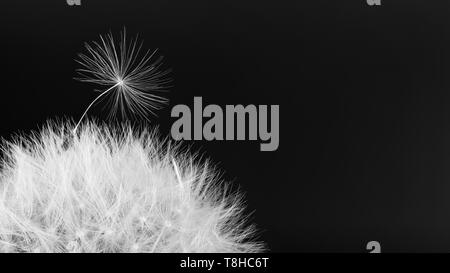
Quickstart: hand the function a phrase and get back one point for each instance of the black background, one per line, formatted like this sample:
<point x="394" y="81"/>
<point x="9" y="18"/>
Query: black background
<point x="363" y="94"/>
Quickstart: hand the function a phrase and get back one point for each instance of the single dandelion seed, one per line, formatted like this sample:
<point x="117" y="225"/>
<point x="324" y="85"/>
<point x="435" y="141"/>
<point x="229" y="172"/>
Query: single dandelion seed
<point x="133" y="79"/>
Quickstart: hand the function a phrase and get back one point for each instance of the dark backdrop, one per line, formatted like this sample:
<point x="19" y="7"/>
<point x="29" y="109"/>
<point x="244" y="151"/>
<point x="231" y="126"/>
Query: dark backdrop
<point x="363" y="94"/>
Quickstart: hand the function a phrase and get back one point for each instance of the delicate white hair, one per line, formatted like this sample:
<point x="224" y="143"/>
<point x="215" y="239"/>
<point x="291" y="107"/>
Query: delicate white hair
<point x="114" y="190"/>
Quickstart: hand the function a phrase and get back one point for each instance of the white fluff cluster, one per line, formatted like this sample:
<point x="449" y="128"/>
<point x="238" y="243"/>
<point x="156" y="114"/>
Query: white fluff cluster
<point x="114" y="190"/>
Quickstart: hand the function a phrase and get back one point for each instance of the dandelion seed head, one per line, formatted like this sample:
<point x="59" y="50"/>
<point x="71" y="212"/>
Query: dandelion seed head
<point x="128" y="186"/>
